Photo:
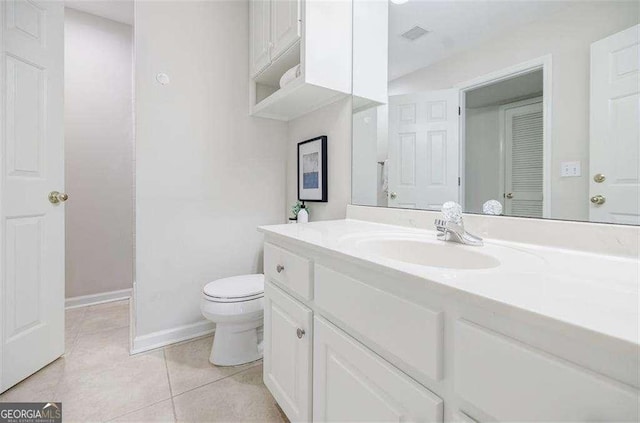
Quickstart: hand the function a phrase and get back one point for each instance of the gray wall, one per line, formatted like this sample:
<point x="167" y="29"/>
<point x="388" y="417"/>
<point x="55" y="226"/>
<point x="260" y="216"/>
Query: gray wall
<point x="482" y="158"/>
<point x="99" y="154"/>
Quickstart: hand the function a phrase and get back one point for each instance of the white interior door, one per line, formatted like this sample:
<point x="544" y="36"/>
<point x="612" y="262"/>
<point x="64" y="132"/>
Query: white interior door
<point x="32" y="166"/>
<point x="615" y="135"/>
<point x="423" y="149"/>
<point x="524" y="159"/>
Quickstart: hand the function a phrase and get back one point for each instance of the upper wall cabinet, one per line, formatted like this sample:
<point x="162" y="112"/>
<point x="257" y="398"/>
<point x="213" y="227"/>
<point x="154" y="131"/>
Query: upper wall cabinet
<point x="275" y="27"/>
<point x="260" y="24"/>
<point x="300" y="55"/>
<point x="285" y="25"/>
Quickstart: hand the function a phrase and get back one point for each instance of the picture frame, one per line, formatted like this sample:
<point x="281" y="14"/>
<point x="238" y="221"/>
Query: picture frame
<point x="312" y="170"/>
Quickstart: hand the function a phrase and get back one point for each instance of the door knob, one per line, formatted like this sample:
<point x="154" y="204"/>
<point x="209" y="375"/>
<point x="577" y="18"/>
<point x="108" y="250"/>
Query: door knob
<point x="598" y="199"/>
<point x="56" y="197"/>
<point x="393" y="195"/>
<point x="300" y="333"/>
<point x="599" y="178"/>
<point x="509" y="195"/>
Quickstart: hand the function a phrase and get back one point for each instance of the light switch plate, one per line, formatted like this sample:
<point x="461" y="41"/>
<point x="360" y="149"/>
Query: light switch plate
<point x="568" y="169"/>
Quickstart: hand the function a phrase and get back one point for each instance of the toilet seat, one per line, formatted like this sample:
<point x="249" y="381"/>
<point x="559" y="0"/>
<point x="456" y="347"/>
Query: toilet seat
<point x="235" y="289"/>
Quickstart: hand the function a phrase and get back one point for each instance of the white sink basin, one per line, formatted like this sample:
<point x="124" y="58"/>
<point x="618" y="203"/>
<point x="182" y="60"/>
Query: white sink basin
<point x="434" y="254"/>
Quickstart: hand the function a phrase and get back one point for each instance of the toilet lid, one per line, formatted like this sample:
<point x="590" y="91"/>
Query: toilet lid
<point x="236" y="287"/>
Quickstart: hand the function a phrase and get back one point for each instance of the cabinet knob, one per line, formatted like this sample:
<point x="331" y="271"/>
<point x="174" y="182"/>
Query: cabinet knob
<point x="279" y="268"/>
<point x="300" y="333"/>
<point x="393" y="195"/>
<point x="509" y="195"/>
<point x="598" y="200"/>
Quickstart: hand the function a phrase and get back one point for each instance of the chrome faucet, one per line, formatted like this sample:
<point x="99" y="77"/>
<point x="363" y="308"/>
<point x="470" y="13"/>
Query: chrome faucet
<point x="451" y="227"/>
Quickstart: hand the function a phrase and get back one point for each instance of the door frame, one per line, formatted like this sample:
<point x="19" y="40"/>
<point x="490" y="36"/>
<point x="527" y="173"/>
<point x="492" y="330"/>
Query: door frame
<point x="543" y="63"/>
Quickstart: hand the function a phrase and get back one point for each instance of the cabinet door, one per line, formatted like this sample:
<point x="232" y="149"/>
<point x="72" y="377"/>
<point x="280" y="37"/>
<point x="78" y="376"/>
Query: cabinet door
<point x="287" y="352"/>
<point x="512" y="381"/>
<point x="285" y="25"/>
<point x="351" y="383"/>
<point x="260" y="32"/>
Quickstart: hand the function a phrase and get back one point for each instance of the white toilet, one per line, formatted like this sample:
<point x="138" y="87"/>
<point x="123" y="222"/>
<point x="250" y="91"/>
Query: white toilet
<point x="236" y="306"/>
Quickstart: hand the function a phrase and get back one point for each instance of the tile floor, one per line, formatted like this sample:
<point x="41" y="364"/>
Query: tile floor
<point x="97" y="380"/>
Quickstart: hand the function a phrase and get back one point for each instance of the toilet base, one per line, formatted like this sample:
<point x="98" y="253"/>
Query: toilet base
<point x="237" y="343"/>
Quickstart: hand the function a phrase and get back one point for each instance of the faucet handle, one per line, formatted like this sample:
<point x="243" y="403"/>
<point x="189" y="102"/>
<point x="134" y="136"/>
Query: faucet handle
<point x="452" y="212"/>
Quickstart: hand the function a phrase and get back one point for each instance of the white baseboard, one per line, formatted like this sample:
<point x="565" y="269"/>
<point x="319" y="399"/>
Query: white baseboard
<point x="171" y="336"/>
<point x="104" y="297"/>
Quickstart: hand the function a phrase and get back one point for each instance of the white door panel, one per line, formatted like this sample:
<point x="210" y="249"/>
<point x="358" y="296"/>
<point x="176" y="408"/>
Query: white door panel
<point x="285" y="25"/>
<point x="32" y="228"/>
<point x="423" y="149"/>
<point x="352" y="384"/>
<point x="287" y="352"/>
<point x="615" y="132"/>
<point x="260" y="27"/>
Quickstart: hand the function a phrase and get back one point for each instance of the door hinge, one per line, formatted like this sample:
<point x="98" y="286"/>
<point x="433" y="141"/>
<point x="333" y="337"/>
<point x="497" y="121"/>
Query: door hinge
<point x="459" y="111"/>
<point x="459" y="181"/>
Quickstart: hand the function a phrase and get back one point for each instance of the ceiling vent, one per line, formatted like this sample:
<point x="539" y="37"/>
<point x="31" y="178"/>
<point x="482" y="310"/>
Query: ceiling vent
<point x="414" y="33"/>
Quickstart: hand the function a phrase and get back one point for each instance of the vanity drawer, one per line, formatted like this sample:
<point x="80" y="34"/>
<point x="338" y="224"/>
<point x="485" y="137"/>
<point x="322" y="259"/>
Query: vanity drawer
<point x="289" y="269"/>
<point x="394" y="327"/>
<point x="514" y="382"/>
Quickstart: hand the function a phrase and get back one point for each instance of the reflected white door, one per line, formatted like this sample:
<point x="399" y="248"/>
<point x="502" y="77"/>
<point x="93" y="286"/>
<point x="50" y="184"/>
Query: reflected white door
<point x="615" y="135"/>
<point x="32" y="229"/>
<point x="423" y="149"/>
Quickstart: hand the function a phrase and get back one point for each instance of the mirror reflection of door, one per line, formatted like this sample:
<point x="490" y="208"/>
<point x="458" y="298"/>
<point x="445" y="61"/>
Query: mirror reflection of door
<point x="423" y="149"/>
<point x="522" y="129"/>
<point x="615" y="135"/>
<point x="503" y="145"/>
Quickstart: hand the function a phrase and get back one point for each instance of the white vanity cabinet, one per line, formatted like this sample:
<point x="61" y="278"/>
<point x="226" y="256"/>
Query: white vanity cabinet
<point x="351" y="383"/>
<point x="349" y="342"/>
<point x="288" y="332"/>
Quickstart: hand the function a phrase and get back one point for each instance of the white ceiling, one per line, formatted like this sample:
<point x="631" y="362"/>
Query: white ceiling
<point x="454" y="26"/>
<point x="116" y="10"/>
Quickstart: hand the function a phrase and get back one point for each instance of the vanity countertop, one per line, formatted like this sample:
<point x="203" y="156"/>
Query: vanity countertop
<point x="591" y="291"/>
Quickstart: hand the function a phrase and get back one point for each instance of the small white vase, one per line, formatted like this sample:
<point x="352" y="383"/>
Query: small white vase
<point x="303" y="215"/>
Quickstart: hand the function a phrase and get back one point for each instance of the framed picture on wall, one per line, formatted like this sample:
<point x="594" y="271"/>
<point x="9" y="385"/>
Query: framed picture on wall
<point x="312" y="169"/>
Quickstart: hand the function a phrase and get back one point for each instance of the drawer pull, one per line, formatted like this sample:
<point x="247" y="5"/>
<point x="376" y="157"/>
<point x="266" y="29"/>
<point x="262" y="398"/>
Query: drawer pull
<point x="279" y="268"/>
<point x="300" y="333"/>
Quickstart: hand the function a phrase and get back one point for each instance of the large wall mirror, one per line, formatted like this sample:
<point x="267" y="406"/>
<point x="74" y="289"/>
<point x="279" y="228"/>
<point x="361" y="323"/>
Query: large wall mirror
<point x="534" y="104"/>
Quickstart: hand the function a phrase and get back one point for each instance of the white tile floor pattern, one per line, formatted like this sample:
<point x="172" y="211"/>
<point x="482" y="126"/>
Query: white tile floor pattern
<point x="98" y="381"/>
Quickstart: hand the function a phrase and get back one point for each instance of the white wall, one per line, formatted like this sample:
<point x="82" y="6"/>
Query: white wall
<point x="364" y="170"/>
<point x="482" y="158"/>
<point x="207" y="174"/>
<point x="99" y="154"/>
<point x="567" y="36"/>
<point x="334" y="121"/>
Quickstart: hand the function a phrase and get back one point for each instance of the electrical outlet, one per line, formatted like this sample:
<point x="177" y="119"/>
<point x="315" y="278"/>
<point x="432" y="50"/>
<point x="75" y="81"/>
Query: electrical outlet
<point x="569" y="169"/>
